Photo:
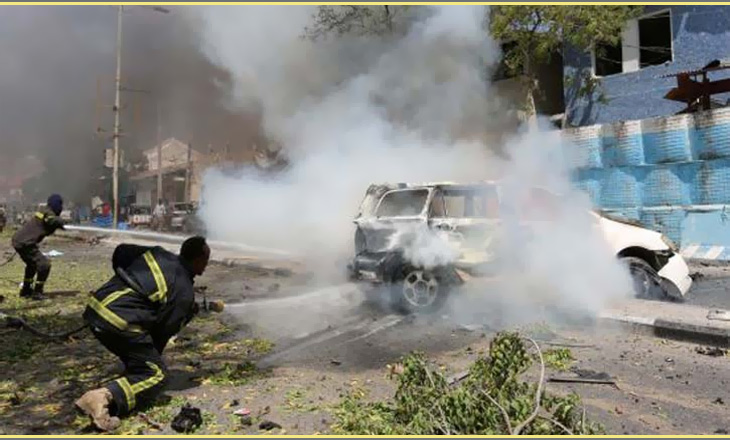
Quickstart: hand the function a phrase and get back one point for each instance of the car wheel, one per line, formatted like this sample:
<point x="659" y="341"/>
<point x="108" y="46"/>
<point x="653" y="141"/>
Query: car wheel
<point x="418" y="291"/>
<point x="646" y="281"/>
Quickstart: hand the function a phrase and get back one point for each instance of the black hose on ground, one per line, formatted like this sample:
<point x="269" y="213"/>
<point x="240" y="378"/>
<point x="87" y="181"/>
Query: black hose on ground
<point x="9" y="259"/>
<point x="21" y="324"/>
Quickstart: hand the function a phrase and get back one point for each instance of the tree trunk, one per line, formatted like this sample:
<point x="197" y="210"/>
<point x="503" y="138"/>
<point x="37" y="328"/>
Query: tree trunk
<point x="530" y="104"/>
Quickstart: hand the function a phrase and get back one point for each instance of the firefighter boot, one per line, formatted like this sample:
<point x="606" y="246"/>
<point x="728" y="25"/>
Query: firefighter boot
<point x="38" y="294"/>
<point x="95" y="404"/>
<point x="26" y="291"/>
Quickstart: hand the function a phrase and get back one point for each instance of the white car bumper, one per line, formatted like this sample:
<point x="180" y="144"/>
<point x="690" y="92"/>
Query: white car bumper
<point x="676" y="273"/>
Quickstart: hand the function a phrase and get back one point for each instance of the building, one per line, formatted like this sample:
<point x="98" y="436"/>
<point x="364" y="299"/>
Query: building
<point x="14" y="173"/>
<point x="182" y="168"/>
<point x="664" y="40"/>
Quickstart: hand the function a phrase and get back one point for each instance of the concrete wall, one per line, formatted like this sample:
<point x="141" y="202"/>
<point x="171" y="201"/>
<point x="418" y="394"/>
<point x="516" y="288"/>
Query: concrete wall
<point x="699" y="35"/>
<point x="670" y="173"/>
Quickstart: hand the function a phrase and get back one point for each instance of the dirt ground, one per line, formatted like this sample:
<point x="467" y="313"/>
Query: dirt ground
<point x="222" y="362"/>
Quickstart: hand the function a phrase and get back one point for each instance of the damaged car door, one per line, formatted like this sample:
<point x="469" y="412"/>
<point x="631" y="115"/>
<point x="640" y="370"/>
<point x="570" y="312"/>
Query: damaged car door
<point x="469" y="216"/>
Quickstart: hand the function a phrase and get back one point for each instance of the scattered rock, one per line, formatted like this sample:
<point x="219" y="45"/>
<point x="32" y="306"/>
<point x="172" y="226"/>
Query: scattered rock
<point x="711" y="351"/>
<point x="696" y="276"/>
<point x="721" y="431"/>
<point x="618" y="410"/>
<point x="235" y="402"/>
<point x="194" y="364"/>
<point x="669" y="360"/>
<point x="246" y="421"/>
<point x="268" y="425"/>
<point x="335" y="362"/>
<point x="242" y="412"/>
<point x="188" y="420"/>
<point x="719" y="401"/>
<point x="16" y="399"/>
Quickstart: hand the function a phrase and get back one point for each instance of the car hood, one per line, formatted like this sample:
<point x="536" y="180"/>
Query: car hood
<point x="621" y="233"/>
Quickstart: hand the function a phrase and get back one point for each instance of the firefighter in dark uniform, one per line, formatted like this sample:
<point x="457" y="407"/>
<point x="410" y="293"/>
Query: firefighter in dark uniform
<point x="134" y="315"/>
<point x="26" y="240"/>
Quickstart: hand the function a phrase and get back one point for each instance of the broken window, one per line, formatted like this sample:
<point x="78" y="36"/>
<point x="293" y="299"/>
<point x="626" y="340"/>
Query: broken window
<point x="655" y="39"/>
<point x="608" y="59"/>
<point x="465" y="204"/>
<point x="402" y="203"/>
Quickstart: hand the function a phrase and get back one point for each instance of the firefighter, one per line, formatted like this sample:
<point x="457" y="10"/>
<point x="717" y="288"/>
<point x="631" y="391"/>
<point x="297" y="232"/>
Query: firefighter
<point x="26" y="240"/>
<point x="134" y="315"/>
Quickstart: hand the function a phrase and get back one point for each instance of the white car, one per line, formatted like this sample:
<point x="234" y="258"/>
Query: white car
<point x="471" y="213"/>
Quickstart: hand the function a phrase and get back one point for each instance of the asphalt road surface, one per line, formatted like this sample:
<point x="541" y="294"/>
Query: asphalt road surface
<point x="711" y="287"/>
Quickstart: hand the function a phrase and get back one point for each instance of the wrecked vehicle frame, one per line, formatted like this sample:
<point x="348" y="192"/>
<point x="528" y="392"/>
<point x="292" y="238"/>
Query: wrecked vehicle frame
<point x="471" y="213"/>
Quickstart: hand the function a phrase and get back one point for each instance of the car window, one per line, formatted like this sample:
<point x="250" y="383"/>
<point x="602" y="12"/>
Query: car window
<point x="402" y="203"/>
<point x="477" y="203"/>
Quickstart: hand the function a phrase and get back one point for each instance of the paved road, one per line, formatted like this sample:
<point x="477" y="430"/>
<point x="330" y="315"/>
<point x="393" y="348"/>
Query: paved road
<point x="711" y="288"/>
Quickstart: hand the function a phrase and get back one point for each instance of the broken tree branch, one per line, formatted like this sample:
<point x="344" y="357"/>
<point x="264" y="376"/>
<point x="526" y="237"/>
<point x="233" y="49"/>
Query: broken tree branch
<point x="538" y="393"/>
<point x="505" y="416"/>
<point x="558" y="424"/>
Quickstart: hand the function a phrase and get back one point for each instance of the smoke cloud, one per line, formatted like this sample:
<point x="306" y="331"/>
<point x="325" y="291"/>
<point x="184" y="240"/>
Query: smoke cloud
<point x="411" y="107"/>
<point x="52" y="59"/>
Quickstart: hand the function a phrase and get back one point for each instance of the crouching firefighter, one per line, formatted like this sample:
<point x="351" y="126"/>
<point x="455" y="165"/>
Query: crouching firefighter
<point x="26" y="240"/>
<point x="148" y="300"/>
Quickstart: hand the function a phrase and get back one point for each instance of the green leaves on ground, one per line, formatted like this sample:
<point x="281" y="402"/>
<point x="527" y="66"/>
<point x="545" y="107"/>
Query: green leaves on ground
<point x="492" y="400"/>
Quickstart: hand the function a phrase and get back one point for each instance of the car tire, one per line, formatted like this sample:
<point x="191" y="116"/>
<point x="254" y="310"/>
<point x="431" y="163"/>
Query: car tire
<point x="646" y="281"/>
<point x="418" y="291"/>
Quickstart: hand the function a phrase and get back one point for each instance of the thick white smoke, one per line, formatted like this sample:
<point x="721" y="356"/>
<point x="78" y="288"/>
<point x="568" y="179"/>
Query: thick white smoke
<point x="354" y="111"/>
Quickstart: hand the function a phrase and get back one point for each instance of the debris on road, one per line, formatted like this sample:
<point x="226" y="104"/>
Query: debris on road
<point x="244" y="412"/>
<point x="268" y="425"/>
<point x="711" y="351"/>
<point x="719" y="401"/>
<point x="152" y="423"/>
<point x="582" y="380"/>
<point x="586" y="376"/>
<point x="335" y="362"/>
<point x="188" y="420"/>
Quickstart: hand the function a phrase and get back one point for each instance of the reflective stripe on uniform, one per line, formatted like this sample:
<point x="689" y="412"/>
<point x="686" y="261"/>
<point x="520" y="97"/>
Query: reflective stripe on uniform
<point x="148" y="383"/>
<point x="39" y="215"/>
<point x="111" y="317"/>
<point x="128" y="392"/>
<point x="161" y="294"/>
<point x="114" y="296"/>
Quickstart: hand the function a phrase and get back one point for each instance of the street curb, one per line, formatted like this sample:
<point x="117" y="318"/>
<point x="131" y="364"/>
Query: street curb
<point x="706" y="252"/>
<point x="672" y="329"/>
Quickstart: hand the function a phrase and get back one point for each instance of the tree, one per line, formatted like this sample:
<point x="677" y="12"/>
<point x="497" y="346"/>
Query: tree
<point x="534" y="33"/>
<point x="355" y="20"/>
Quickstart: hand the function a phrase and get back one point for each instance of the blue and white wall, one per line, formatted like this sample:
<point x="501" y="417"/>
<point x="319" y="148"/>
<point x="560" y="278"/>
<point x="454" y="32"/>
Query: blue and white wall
<point x="699" y="35"/>
<point x="670" y="173"/>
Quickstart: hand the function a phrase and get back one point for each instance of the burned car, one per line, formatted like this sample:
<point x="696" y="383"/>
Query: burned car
<point x="391" y="249"/>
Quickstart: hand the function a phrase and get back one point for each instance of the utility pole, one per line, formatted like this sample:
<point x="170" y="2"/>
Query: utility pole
<point x="117" y="109"/>
<point x="188" y="173"/>
<point x="159" y="153"/>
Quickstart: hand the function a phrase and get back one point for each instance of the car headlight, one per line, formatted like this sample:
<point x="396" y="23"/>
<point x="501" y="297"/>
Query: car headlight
<point x="670" y="244"/>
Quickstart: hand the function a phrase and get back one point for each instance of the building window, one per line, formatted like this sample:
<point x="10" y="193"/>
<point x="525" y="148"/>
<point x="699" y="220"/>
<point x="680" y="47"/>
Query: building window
<point x="608" y="59"/>
<point x="655" y="39"/>
<point x="644" y="42"/>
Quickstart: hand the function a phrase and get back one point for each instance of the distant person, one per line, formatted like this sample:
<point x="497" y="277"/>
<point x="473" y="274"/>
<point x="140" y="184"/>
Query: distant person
<point x="158" y="215"/>
<point x="3" y="219"/>
<point x="43" y="223"/>
<point x="134" y="315"/>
